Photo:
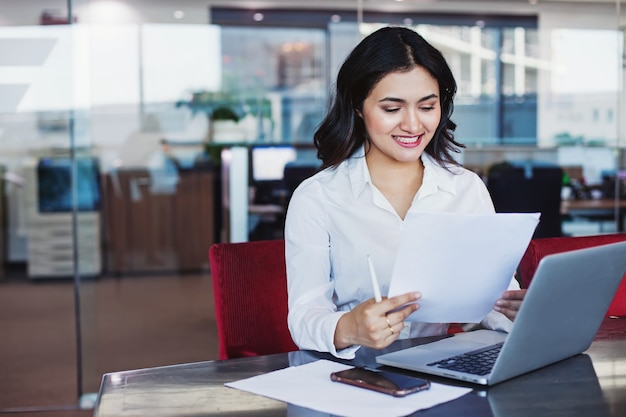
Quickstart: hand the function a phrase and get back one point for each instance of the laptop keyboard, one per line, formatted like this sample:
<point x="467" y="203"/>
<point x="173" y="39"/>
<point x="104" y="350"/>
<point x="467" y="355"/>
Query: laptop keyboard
<point x="478" y="362"/>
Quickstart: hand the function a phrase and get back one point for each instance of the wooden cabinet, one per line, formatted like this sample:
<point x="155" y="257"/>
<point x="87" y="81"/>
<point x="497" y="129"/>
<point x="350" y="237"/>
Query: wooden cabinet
<point x="151" y="230"/>
<point x="51" y="245"/>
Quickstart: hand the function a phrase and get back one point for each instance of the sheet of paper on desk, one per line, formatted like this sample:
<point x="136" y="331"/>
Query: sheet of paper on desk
<point x="310" y="386"/>
<point x="461" y="263"/>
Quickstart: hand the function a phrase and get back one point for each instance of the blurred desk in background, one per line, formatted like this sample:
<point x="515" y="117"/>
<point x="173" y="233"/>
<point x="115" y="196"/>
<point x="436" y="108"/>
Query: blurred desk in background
<point x="266" y="221"/>
<point x="596" y="210"/>
<point x="158" y="230"/>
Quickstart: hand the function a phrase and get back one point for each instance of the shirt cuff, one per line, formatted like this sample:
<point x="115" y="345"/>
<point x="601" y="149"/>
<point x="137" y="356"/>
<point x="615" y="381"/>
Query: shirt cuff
<point x="497" y="321"/>
<point x="347" y="353"/>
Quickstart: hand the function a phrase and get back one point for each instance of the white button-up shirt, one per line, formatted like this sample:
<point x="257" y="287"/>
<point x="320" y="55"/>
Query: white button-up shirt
<point x="337" y="217"/>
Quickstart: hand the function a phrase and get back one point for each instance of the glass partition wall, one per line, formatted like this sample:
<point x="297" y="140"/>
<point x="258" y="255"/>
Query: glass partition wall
<point x="121" y="122"/>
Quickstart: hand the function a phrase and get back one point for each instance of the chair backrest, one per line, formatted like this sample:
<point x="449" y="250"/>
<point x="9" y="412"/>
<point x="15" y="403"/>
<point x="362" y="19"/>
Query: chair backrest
<point x="296" y="172"/>
<point x="250" y="293"/>
<point x="527" y="188"/>
<point x="538" y="248"/>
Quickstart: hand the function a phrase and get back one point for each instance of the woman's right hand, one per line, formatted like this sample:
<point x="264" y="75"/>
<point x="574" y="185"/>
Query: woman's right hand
<point x="372" y="324"/>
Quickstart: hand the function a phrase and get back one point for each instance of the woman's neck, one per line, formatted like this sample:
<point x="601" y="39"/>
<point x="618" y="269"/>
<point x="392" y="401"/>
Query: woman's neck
<point x="397" y="181"/>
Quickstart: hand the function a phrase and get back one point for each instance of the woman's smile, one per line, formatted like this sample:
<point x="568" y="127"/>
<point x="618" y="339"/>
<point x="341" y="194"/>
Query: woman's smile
<point x="408" y="141"/>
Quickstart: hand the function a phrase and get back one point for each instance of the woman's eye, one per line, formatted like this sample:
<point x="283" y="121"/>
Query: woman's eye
<point x="391" y="110"/>
<point x="428" y="108"/>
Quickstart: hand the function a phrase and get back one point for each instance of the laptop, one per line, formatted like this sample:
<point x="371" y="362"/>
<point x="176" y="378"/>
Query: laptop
<point x="559" y="318"/>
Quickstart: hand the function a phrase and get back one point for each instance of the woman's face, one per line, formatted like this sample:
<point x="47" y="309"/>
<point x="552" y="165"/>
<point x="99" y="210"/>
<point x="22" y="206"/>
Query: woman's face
<point x="401" y="115"/>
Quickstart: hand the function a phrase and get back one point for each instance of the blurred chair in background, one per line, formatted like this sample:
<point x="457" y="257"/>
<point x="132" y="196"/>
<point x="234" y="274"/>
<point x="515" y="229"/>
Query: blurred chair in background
<point x="538" y="248"/>
<point x="528" y="188"/>
<point x="250" y="293"/>
<point x="294" y="173"/>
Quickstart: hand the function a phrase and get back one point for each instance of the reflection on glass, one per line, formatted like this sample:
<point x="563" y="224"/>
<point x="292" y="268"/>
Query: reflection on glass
<point x="570" y="386"/>
<point x="282" y="65"/>
<point x="109" y="86"/>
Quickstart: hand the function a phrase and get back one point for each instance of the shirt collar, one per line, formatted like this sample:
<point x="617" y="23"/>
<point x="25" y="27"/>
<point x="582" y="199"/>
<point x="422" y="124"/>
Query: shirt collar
<point x="435" y="176"/>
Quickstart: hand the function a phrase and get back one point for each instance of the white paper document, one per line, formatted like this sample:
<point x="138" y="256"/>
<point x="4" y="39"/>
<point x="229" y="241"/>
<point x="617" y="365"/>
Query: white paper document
<point x="460" y="263"/>
<point x="310" y="386"/>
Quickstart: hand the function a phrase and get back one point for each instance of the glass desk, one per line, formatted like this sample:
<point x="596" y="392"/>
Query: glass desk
<point x="590" y="384"/>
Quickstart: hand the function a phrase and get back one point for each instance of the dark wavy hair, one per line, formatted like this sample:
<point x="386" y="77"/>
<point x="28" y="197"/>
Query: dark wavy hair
<point x="387" y="50"/>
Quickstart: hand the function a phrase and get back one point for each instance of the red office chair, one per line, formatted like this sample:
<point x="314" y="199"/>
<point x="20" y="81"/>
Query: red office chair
<point x="538" y="248"/>
<point x="250" y="293"/>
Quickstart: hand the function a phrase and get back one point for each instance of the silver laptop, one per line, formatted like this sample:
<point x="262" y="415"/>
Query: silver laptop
<point x="559" y="318"/>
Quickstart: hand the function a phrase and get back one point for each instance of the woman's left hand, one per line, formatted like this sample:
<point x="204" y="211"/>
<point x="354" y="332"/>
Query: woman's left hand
<point x="510" y="303"/>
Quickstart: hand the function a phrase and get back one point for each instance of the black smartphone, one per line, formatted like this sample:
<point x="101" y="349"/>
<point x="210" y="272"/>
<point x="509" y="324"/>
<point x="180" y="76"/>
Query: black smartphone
<point x="381" y="381"/>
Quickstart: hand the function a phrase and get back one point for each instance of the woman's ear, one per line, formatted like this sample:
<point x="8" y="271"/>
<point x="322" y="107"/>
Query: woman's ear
<point x="358" y="113"/>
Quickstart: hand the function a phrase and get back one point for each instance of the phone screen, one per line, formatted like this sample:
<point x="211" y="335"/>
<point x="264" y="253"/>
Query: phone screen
<point x="381" y="381"/>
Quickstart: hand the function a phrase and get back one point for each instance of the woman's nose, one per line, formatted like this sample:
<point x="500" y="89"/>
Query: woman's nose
<point x="410" y="121"/>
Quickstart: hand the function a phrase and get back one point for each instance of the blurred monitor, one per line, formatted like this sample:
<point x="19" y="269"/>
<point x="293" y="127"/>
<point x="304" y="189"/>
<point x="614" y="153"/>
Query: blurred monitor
<point x="268" y="162"/>
<point x="54" y="184"/>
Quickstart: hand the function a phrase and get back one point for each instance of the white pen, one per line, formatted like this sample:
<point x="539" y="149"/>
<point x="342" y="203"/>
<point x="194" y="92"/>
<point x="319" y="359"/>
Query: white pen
<point x="375" y="286"/>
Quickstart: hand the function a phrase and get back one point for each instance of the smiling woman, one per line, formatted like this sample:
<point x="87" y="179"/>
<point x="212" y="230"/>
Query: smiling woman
<point x="400" y="115"/>
<point x="106" y="86"/>
<point x="387" y="146"/>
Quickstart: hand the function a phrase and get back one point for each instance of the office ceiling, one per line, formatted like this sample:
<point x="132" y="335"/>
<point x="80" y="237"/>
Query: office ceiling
<point x="426" y="4"/>
<point x="513" y="7"/>
<point x="432" y="2"/>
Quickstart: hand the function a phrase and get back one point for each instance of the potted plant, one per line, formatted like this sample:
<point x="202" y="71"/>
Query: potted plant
<point x="231" y="119"/>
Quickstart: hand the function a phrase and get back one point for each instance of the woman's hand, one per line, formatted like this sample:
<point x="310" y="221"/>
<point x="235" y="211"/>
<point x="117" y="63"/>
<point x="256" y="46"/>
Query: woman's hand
<point x="510" y="303"/>
<point x="368" y="324"/>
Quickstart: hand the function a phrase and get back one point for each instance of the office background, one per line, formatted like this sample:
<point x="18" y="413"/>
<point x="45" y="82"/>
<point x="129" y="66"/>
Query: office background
<point x="177" y="119"/>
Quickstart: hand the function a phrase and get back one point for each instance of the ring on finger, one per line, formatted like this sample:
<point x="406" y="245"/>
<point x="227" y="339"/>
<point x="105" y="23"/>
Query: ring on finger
<point x="389" y="325"/>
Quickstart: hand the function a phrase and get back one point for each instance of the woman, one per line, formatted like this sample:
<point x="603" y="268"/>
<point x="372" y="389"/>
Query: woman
<point x="386" y="147"/>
